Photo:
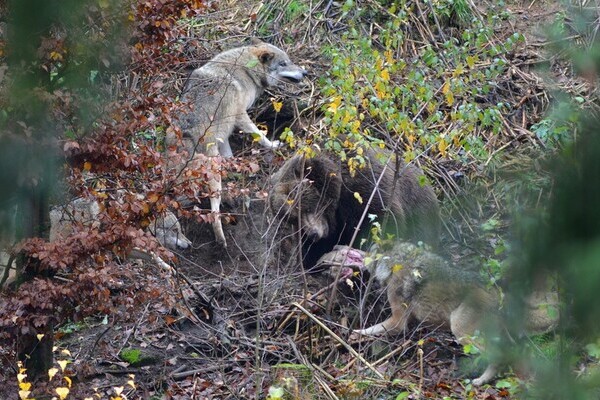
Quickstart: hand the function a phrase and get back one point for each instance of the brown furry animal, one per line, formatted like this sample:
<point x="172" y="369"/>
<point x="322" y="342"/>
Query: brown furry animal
<point x="424" y="286"/>
<point x="320" y="194"/>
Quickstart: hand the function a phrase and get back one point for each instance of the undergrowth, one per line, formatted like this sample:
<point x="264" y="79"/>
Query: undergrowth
<point x="437" y="98"/>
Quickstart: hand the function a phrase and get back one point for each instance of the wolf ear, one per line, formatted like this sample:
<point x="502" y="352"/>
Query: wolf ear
<point x="322" y="170"/>
<point x="266" y="56"/>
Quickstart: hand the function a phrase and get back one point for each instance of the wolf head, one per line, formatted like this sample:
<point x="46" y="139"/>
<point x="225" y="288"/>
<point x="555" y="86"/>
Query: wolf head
<point x="168" y="232"/>
<point x="307" y="190"/>
<point x="275" y="64"/>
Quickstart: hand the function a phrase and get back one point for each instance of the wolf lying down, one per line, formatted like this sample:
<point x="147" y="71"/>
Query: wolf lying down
<point x="423" y="285"/>
<point x="165" y="228"/>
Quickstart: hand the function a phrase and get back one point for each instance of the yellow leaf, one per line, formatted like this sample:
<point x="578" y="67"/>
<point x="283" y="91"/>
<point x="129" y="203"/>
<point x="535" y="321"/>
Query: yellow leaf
<point x="290" y="202"/>
<point x="24" y="394"/>
<point x="24" y="385"/>
<point x="335" y="104"/>
<point x="389" y="56"/>
<point x="39" y="337"/>
<point x="52" y="372"/>
<point x="358" y="197"/>
<point x="381" y="90"/>
<point x="421" y="342"/>
<point x="378" y="64"/>
<point x="69" y="382"/>
<point x="442" y="146"/>
<point x="131" y="383"/>
<point x="446" y="87"/>
<point x="450" y="98"/>
<point x="62" y="392"/>
<point x="458" y="71"/>
<point x="66" y="352"/>
<point x="347" y="117"/>
<point x="118" y="390"/>
<point x="385" y="75"/>
<point x="87" y="166"/>
<point x="277" y="105"/>
<point x="471" y="60"/>
<point x="63" y="364"/>
<point x="21" y="377"/>
<point x="364" y="103"/>
<point x="396" y="268"/>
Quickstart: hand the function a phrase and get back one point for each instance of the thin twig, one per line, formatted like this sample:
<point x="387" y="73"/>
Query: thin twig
<point x="338" y="339"/>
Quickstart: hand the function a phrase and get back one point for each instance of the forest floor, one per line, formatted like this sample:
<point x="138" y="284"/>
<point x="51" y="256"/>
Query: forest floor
<point x="268" y="324"/>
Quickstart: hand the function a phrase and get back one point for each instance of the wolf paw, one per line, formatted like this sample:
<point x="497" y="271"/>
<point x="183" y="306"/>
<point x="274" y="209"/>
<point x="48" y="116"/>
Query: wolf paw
<point x="275" y="144"/>
<point x="221" y="241"/>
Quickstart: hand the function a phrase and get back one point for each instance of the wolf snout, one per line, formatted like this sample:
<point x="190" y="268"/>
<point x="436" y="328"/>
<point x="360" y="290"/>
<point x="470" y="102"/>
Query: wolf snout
<point x="295" y="75"/>
<point x="314" y="228"/>
<point x="183" y="242"/>
<point x="313" y="235"/>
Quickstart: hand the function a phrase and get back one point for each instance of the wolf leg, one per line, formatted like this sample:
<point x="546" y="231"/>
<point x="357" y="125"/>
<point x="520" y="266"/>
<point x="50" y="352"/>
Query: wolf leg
<point x="245" y="124"/>
<point x="225" y="148"/>
<point x="394" y="324"/>
<point x="464" y="322"/>
<point x="488" y="375"/>
<point x="215" y="188"/>
<point x="389" y="325"/>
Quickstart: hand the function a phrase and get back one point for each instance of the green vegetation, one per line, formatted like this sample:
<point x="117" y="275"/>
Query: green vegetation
<point x="436" y="100"/>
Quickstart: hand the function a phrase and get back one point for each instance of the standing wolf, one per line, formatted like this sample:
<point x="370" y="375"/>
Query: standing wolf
<point x="425" y="286"/>
<point x="220" y="92"/>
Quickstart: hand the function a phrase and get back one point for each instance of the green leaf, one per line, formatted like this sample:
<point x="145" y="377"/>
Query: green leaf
<point x="275" y="393"/>
<point x="504" y="384"/>
<point x="593" y="349"/>
<point x="252" y="63"/>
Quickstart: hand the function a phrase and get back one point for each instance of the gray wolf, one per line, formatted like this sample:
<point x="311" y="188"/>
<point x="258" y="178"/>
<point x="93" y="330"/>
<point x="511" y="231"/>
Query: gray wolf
<point x="426" y="287"/>
<point x="221" y="92"/>
<point x="318" y="196"/>
<point x="165" y="227"/>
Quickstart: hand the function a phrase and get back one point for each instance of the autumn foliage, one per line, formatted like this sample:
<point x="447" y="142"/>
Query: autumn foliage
<point x="103" y="76"/>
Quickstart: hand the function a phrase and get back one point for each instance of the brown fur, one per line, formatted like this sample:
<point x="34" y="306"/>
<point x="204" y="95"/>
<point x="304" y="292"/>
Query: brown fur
<point x="320" y="193"/>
